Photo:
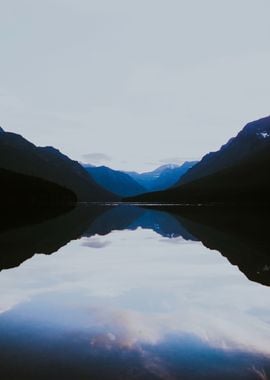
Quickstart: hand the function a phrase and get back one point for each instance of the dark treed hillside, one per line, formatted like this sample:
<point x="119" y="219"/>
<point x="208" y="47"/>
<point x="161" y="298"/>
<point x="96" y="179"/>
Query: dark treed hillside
<point x="20" y="188"/>
<point x="251" y="140"/>
<point x="19" y="155"/>
<point x="239" y="172"/>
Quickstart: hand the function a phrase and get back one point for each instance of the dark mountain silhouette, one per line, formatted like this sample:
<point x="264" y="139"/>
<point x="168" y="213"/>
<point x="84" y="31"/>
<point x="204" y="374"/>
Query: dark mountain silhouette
<point x="19" y="155"/>
<point x="253" y="139"/>
<point x="239" y="234"/>
<point x="20" y="241"/>
<point x="115" y="181"/>
<point x="238" y="173"/>
<point x="23" y="190"/>
<point x="163" y="177"/>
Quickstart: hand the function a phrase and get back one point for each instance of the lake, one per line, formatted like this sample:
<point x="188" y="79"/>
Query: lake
<point x="126" y="292"/>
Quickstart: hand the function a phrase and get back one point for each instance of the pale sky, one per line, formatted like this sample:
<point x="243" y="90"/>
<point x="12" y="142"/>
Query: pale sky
<point x="133" y="84"/>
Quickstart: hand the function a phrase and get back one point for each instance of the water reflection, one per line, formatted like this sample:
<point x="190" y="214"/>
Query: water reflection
<point x="241" y="235"/>
<point x="136" y="295"/>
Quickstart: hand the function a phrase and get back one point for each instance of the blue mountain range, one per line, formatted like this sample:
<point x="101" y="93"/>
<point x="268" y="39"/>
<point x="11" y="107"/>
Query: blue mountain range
<point x="125" y="184"/>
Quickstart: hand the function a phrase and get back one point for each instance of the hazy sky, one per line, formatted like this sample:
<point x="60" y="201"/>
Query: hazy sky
<point x="133" y="84"/>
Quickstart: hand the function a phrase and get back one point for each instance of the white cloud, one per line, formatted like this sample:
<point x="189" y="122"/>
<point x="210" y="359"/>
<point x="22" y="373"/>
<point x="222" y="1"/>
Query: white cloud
<point x="96" y="158"/>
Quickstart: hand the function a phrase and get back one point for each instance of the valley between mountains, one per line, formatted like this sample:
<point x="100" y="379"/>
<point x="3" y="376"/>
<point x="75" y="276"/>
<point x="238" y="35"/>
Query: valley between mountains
<point x="237" y="173"/>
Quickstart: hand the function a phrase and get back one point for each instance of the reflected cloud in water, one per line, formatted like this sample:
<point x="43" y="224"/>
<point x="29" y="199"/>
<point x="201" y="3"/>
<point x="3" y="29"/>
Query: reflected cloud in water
<point x="147" y="309"/>
<point x="95" y="243"/>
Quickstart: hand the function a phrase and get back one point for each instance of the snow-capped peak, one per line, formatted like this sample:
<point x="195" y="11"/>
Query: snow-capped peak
<point x="263" y="135"/>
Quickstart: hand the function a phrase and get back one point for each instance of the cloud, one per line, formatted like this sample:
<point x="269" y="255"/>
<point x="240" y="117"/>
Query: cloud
<point x="96" y="243"/>
<point x="141" y="292"/>
<point x="171" y="160"/>
<point x="96" y="158"/>
<point x="175" y="240"/>
<point x="177" y="160"/>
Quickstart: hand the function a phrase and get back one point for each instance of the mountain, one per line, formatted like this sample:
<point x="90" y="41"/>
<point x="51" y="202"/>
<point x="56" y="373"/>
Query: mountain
<point x="250" y="141"/>
<point x="20" y="189"/>
<point x="19" y="155"/>
<point x="239" y="233"/>
<point x="163" y="222"/>
<point x="163" y="177"/>
<point x="21" y="237"/>
<point x="238" y="173"/>
<point x="115" y="181"/>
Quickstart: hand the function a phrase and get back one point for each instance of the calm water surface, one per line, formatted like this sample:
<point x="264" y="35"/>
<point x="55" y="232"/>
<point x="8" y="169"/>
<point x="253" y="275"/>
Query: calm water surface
<point x="129" y="293"/>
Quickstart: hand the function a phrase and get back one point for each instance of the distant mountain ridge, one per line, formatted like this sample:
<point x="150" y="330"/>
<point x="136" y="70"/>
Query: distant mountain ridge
<point x="116" y="181"/>
<point x="20" y="156"/>
<point x="163" y="177"/>
<point x="125" y="184"/>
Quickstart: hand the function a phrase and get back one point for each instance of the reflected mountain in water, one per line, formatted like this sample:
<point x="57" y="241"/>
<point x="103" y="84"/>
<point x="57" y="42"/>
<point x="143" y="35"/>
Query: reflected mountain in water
<point x="131" y="217"/>
<point x="19" y="243"/>
<point x="240" y="235"/>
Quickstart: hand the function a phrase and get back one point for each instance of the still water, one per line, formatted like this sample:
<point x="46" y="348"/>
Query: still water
<point x="133" y="293"/>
